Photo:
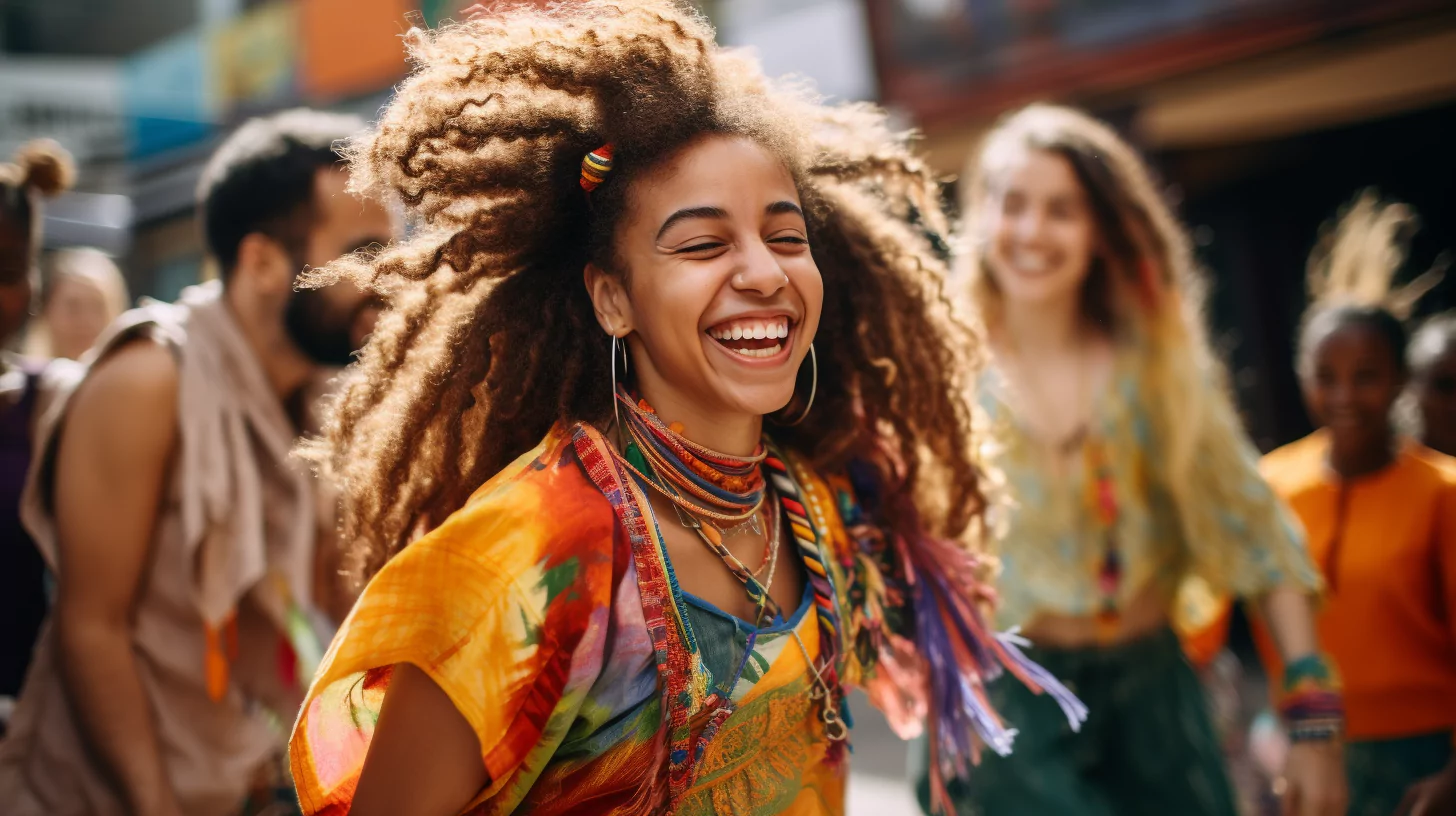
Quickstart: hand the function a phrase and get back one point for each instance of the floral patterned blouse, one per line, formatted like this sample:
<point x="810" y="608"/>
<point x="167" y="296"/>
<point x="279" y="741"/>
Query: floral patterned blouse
<point x="1056" y="525"/>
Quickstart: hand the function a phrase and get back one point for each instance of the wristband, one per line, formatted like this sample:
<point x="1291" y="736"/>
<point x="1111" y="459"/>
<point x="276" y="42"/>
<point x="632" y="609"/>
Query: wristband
<point x="1311" y="706"/>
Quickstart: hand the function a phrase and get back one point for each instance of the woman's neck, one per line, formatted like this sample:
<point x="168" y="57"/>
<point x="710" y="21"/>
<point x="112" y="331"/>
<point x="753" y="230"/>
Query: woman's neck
<point x="725" y="432"/>
<point x="1350" y="460"/>
<point x="1052" y="328"/>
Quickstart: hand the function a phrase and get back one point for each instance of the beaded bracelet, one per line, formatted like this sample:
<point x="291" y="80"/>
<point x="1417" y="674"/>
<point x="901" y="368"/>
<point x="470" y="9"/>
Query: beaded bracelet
<point x="1312" y="706"/>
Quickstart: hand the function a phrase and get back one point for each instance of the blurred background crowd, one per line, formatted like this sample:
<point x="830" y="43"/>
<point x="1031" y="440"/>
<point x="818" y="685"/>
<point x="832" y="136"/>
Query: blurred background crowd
<point x="1261" y="117"/>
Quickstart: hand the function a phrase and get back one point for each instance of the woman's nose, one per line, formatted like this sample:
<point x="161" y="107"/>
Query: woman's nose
<point x="760" y="272"/>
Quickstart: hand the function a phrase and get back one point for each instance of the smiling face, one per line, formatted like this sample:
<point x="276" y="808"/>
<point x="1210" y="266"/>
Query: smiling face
<point x="1040" y="234"/>
<point x="720" y="294"/>
<point x="1353" y="379"/>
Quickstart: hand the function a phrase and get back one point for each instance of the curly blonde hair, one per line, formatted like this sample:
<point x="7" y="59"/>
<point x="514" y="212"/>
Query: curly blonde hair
<point x="490" y="337"/>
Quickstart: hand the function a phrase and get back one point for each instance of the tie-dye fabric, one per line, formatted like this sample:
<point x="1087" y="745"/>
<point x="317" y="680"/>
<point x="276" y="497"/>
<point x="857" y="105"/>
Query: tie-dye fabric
<point x="547" y="616"/>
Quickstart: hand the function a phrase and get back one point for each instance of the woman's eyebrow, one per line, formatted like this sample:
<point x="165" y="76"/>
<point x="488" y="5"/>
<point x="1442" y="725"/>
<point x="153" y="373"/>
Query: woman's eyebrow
<point x="688" y="213"/>
<point x="782" y="207"/>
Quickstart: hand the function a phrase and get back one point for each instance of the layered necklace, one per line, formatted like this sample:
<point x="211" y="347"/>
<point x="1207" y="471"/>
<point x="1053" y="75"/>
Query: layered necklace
<point x="716" y="495"/>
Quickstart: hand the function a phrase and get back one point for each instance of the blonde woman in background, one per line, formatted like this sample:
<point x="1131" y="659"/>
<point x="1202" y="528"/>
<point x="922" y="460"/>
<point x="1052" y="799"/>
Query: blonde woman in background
<point x="83" y="291"/>
<point x="1129" y="475"/>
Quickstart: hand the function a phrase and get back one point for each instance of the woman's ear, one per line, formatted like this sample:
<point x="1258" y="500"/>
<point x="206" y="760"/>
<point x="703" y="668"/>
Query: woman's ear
<point x="609" y="300"/>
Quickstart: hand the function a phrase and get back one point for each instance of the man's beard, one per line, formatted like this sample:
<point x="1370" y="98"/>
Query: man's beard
<point x="320" y="333"/>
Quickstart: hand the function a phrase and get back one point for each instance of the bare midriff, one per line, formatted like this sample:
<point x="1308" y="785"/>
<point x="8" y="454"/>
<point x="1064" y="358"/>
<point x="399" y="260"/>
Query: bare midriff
<point x="1146" y="613"/>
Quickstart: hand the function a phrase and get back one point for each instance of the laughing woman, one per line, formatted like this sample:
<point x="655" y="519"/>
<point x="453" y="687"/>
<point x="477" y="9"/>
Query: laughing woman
<point x="638" y="457"/>
<point x="1129" y="475"/>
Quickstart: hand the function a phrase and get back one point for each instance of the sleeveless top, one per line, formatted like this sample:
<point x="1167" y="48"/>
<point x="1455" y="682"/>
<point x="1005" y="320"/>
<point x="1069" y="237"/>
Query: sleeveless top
<point x="231" y="546"/>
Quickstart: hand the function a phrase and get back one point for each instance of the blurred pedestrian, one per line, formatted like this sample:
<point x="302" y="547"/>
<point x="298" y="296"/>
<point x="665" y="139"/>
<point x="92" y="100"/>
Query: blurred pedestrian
<point x="599" y="584"/>
<point x="1128" y="474"/>
<point x="181" y="532"/>
<point x="1380" y="510"/>
<point x="82" y="291"/>
<point x="1432" y="391"/>
<point x="39" y="169"/>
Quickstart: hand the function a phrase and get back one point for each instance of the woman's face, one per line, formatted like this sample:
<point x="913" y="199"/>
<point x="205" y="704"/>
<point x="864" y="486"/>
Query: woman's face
<point x="721" y="294"/>
<point x="1040" y="235"/>
<point x="1435" y="393"/>
<point x="75" y="314"/>
<point x="1352" y="384"/>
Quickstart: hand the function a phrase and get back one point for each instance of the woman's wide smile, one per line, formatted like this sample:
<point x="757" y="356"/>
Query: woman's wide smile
<point x="759" y="340"/>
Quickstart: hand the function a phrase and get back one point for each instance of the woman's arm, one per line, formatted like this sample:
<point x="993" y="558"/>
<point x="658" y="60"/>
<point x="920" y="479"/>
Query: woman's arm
<point x="1290" y="616"/>
<point x="1314" y="772"/>
<point x="425" y="759"/>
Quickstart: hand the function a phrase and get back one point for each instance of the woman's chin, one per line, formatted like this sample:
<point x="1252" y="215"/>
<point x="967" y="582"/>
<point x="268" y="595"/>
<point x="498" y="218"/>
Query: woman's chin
<point x="761" y="400"/>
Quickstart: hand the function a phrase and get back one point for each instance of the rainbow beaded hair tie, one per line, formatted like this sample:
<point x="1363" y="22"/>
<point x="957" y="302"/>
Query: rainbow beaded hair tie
<point x="596" y="167"/>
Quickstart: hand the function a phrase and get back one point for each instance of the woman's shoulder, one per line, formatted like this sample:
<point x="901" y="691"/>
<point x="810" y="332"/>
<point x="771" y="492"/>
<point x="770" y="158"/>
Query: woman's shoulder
<point x="1429" y="466"/>
<point x="1297" y="465"/>
<point x="540" y="512"/>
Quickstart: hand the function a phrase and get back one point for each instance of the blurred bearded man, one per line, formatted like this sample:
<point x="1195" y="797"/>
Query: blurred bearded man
<point x="164" y="498"/>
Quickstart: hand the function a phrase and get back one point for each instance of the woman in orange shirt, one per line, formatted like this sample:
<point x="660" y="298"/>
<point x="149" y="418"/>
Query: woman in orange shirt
<point x="1380" y="513"/>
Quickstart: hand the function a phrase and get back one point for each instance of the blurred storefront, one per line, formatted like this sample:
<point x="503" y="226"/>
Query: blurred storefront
<point x="1263" y="116"/>
<point x="183" y="93"/>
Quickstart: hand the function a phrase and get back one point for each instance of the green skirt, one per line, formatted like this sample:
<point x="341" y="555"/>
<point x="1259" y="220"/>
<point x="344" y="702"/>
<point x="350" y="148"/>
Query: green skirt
<point x="1380" y="771"/>
<point x="1147" y="746"/>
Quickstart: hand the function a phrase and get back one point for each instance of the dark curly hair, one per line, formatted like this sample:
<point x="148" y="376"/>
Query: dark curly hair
<point x="490" y="336"/>
<point x="261" y="179"/>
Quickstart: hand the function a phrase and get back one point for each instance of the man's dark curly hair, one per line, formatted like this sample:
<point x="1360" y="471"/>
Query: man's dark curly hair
<point x="262" y="180"/>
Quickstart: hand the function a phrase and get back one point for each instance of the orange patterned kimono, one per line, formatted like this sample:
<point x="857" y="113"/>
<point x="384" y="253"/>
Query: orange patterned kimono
<point x="547" y="611"/>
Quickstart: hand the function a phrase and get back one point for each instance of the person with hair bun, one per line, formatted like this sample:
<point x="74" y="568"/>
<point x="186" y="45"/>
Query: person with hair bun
<point x="39" y="170"/>
<point x="658" y="449"/>
<point x="1132" y="492"/>
<point x="1380" y="512"/>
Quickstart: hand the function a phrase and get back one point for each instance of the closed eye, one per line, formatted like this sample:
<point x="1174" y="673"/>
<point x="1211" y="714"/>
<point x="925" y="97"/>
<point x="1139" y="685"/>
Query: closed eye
<point x="703" y="247"/>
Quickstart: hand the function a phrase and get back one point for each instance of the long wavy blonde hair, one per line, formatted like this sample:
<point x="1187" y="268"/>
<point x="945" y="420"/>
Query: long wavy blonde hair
<point x="489" y="337"/>
<point x="1143" y="289"/>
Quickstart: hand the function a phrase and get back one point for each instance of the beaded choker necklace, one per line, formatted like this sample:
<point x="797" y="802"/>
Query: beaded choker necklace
<point x="724" y="491"/>
<point x="711" y="491"/>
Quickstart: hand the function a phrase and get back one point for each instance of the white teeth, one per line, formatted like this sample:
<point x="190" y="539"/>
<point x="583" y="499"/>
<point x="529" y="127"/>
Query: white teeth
<point x="752" y="330"/>
<point x="1030" y="262"/>
<point x="763" y="352"/>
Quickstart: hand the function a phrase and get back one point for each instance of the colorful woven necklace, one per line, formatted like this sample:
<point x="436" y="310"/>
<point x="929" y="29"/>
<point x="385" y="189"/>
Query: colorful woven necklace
<point x="1102" y="499"/>
<point x="707" y="488"/>
<point x="727" y="491"/>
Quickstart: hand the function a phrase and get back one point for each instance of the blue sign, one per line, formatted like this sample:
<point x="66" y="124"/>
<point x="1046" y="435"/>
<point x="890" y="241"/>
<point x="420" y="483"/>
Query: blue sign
<point x="168" y="93"/>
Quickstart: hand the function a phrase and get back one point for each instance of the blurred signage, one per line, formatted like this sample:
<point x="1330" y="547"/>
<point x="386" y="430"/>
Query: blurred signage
<point x="350" y="47"/>
<point x="942" y="59"/>
<point x="76" y="102"/>
<point x="823" y="40"/>
<point x="255" y="58"/>
<point x="169" y="95"/>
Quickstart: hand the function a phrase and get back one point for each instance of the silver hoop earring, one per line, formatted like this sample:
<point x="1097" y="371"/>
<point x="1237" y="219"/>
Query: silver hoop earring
<point x="616" y="410"/>
<point x="813" y="388"/>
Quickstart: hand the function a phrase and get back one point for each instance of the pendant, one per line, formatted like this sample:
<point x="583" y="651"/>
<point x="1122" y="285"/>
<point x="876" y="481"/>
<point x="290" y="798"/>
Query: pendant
<point x="688" y="520"/>
<point x="749" y="524"/>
